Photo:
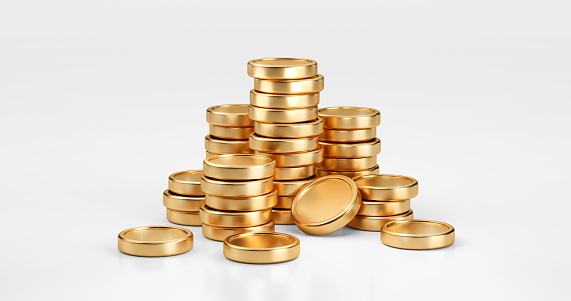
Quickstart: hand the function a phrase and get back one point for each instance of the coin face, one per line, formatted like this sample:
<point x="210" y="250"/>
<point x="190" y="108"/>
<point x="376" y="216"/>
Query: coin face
<point x="282" y="62"/>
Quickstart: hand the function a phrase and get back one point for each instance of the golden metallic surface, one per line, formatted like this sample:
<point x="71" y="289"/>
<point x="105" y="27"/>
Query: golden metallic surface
<point x="418" y="234"/>
<point x="232" y="133"/>
<point x="351" y="150"/>
<point x="350" y="117"/>
<point x="282" y="145"/>
<point x="296" y="159"/>
<point x="282" y="68"/>
<point x="383" y="208"/>
<point x="236" y="219"/>
<point x="374" y="223"/>
<point x="219" y="233"/>
<point x="234" y="115"/>
<point x="387" y="187"/>
<point x="320" y="172"/>
<point x="349" y="164"/>
<point x="188" y="218"/>
<point x="182" y="202"/>
<point x="326" y="205"/>
<point x="239" y="167"/>
<point x="154" y="241"/>
<point x="283" y="101"/>
<point x="295" y="130"/>
<point x="290" y="86"/>
<point x="186" y="183"/>
<point x="253" y="203"/>
<point x="284" y="202"/>
<point x="282" y="217"/>
<point x="295" y="115"/>
<point x="291" y="188"/>
<point x="294" y="173"/>
<point x="261" y="247"/>
<point x="359" y="135"/>
<point x="225" y="146"/>
<point x="210" y="155"/>
<point x="237" y="188"/>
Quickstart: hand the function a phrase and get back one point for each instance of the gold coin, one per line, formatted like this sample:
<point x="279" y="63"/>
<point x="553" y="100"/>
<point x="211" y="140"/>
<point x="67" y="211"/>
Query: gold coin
<point x="294" y="173"/>
<point x="387" y="187"/>
<point x="320" y="172"/>
<point x="210" y="155"/>
<point x="219" y="233"/>
<point x="153" y="241"/>
<point x="282" y="217"/>
<point x="261" y="247"/>
<point x="182" y="202"/>
<point x="311" y="157"/>
<point x="186" y="183"/>
<point x="417" y="234"/>
<point x="282" y="115"/>
<point x="234" y="115"/>
<point x="326" y="205"/>
<point x="374" y="223"/>
<point x="349" y="164"/>
<point x="284" y="202"/>
<point x="253" y="203"/>
<point x="239" y="167"/>
<point x="383" y="208"/>
<point x="345" y="118"/>
<point x="224" y="146"/>
<point x="359" y="135"/>
<point x="283" y="101"/>
<point x="237" y="219"/>
<point x="351" y="150"/>
<point x="295" y="130"/>
<point x="187" y="218"/>
<point x="232" y="133"/>
<point x="282" y="68"/>
<point x="291" y="188"/>
<point x="282" y="145"/>
<point x="237" y="188"/>
<point x="290" y="86"/>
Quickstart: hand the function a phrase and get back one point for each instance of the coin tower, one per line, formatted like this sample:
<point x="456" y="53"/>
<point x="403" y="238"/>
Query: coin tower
<point x="184" y="197"/>
<point x="283" y="106"/>
<point x="230" y="128"/>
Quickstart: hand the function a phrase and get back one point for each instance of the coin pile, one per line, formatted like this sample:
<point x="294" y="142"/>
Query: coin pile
<point x="349" y="141"/>
<point x="184" y="197"/>
<point x="385" y="198"/>
<point x="230" y="128"/>
<point x="240" y="195"/>
<point x="283" y="106"/>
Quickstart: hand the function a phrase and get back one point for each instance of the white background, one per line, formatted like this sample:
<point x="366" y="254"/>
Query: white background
<point x="102" y="100"/>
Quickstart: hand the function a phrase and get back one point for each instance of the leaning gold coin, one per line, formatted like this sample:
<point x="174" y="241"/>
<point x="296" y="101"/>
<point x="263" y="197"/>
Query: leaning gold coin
<point x="344" y="136"/>
<point x="417" y="234"/>
<point x="291" y="188"/>
<point x="283" y="101"/>
<point x="182" y="202"/>
<point x="387" y="187"/>
<point x="232" y="133"/>
<point x="383" y="208"/>
<point x="239" y="167"/>
<point x="153" y="241"/>
<point x="186" y="183"/>
<point x="320" y="172"/>
<point x="187" y="218"/>
<point x="345" y="118"/>
<point x="374" y="223"/>
<point x="294" y="173"/>
<point x="237" y="188"/>
<point x="282" y="145"/>
<point x="234" y="115"/>
<point x="351" y="150"/>
<point x="282" y="68"/>
<point x="290" y="130"/>
<point x="254" y="203"/>
<point x="309" y="85"/>
<point x="261" y="247"/>
<point x="219" y="233"/>
<point x="265" y="115"/>
<point x="236" y="219"/>
<point x="349" y="164"/>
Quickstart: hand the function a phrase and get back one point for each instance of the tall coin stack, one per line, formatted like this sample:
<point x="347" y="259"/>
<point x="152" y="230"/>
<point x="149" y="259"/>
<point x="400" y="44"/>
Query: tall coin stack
<point x="349" y="141"/>
<point x="230" y="128"/>
<point x="283" y="105"/>
<point x="184" y="198"/>
<point x="385" y="198"/>
<point x="240" y="195"/>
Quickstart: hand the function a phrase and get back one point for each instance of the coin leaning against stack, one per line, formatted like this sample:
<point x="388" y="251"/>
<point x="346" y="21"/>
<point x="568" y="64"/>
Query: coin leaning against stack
<point x="349" y="141"/>
<point x="184" y="197"/>
<point x="283" y="106"/>
<point x="240" y="195"/>
<point x="230" y="128"/>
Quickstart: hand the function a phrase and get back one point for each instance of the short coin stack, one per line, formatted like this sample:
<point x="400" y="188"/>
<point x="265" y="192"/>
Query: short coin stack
<point x="349" y="141"/>
<point x="283" y="105"/>
<point x="230" y="128"/>
<point x="385" y="198"/>
<point x="240" y="195"/>
<point x="184" y="198"/>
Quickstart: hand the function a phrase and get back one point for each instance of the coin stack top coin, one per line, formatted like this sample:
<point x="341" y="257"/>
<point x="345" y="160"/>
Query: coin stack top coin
<point x="184" y="197"/>
<point x="283" y="105"/>
<point x="230" y="128"/>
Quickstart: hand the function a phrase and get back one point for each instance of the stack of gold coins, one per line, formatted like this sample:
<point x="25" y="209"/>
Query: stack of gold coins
<point x="385" y="198"/>
<point x="349" y="141"/>
<point x="184" y="198"/>
<point x="240" y="195"/>
<point x="230" y="128"/>
<point x="283" y="105"/>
